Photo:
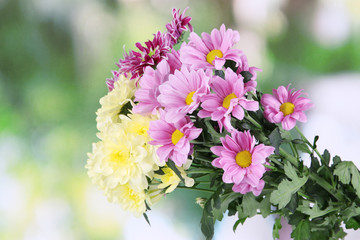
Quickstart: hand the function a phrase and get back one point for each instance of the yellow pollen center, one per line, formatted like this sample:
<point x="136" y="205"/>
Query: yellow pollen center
<point x="188" y="99"/>
<point x="243" y="159"/>
<point x="227" y="99"/>
<point x="287" y="108"/>
<point x="176" y="136"/>
<point x="119" y="157"/>
<point x="210" y="57"/>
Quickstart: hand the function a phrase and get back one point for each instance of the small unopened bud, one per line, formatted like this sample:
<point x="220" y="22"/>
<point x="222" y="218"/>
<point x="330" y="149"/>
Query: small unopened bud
<point x="201" y="201"/>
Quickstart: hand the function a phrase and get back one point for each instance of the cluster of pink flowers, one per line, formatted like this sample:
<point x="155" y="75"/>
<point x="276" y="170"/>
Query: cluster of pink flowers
<point x="182" y="86"/>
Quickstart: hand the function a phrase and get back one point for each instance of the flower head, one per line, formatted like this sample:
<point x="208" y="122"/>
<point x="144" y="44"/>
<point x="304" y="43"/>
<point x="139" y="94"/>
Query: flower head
<point x="212" y="50"/>
<point x="242" y="161"/>
<point x="150" y="55"/>
<point x="129" y="198"/>
<point x="285" y="106"/>
<point x="121" y="157"/>
<point x="179" y="24"/>
<point x="173" y="138"/>
<point x="111" y="105"/>
<point x="229" y="98"/>
<point x="182" y="93"/>
<point x="146" y="95"/>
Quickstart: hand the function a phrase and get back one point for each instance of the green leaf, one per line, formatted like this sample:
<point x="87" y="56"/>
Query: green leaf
<point x="314" y="211"/>
<point x="339" y="235"/>
<point x="146" y="218"/>
<point x="347" y="171"/>
<point x="326" y="157"/>
<point x="220" y="73"/>
<point x="286" y="188"/>
<point x="249" y="204"/>
<point x="350" y="212"/>
<point x="336" y="160"/>
<point x="173" y="167"/>
<point x="247" y="76"/>
<point x="277" y="226"/>
<point x="241" y="220"/>
<point x="207" y="221"/>
<point x="265" y="206"/>
<point x="275" y="139"/>
<point x="316" y="138"/>
<point x="293" y="204"/>
<point x="295" y="218"/>
<point x="224" y="205"/>
<point x="302" y="230"/>
<point x="290" y="171"/>
<point x="352" y="224"/>
<point x="214" y="134"/>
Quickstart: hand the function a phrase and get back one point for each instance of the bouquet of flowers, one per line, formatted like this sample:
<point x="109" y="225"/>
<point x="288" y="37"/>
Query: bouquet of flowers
<point x="187" y="114"/>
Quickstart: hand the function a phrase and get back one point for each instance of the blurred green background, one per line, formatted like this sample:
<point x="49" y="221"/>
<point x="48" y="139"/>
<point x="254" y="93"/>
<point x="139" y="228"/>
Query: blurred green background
<point x="54" y="58"/>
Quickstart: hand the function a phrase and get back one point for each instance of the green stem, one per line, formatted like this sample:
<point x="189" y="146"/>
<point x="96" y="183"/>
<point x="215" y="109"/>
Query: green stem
<point x="304" y="195"/>
<point x="198" y="189"/>
<point x="308" y="143"/>
<point x="199" y="171"/>
<point x="294" y="150"/>
<point x="327" y="186"/>
<point x="253" y="121"/>
<point x="289" y="157"/>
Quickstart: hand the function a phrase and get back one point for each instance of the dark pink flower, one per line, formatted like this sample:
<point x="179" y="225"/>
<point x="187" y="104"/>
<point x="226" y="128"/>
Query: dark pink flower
<point x="151" y="54"/>
<point x="178" y="25"/>
<point x="110" y="81"/>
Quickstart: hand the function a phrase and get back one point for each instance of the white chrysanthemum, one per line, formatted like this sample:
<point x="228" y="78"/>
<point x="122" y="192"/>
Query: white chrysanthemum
<point x="139" y="125"/>
<point x="112" y="103"/>
<point x="129" y="198"/>
<point x="121" y="157"/>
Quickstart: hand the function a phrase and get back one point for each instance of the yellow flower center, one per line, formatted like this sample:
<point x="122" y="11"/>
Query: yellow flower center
<point x="132" y="195"/>
<point x="287" y="108"/>
<point x="119" y="157"/>
<point x="188" y="98"/>
<point x="243" y="159"/>
<point x="210" y="57"/>
<point x="227" y="99"/>
<point x="176" y="136"/>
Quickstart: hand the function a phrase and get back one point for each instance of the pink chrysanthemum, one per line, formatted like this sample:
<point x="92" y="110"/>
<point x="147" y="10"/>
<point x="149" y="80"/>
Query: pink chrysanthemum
<point x="242" y="161"/>
<point x="146" y="95"/>
<point x="212" y="50"/>
<point x="150" y="55"/>
<point x="285" y="106"/>
<point x="229" y="98"/>
<point x="182" y="93"/>
<point x="244" y="67"/>
<point x="178" y="25"/>
<point x="174" y="139"/>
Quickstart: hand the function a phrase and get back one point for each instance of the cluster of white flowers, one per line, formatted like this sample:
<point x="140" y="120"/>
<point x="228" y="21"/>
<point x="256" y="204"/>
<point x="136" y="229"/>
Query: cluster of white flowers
<point x="122" y="163"/>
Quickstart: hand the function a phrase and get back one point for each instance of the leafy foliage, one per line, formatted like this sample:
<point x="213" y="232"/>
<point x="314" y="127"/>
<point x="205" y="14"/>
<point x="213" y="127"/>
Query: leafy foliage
<point x="286" y="188"/>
